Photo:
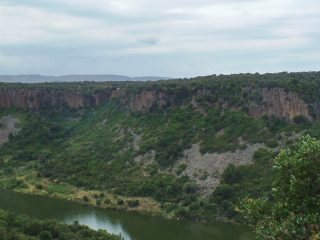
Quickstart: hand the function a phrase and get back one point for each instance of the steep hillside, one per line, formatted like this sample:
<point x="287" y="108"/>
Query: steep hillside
<point x="188" y="148"/>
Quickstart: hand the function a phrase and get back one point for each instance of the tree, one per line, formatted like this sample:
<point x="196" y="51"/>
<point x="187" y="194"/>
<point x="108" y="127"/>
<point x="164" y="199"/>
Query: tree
<point x="292" y="209"/>
<point x="45" y="235"/>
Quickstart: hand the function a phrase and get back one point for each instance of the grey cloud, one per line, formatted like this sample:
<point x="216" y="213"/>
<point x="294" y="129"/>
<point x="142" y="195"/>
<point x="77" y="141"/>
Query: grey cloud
<point x="148" y="40"/>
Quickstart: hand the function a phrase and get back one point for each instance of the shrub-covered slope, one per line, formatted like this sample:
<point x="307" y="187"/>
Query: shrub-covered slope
<point x="170" y="141"/>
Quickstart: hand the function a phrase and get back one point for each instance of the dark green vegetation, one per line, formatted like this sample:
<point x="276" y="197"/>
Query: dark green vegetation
<point x="94" y="149"/>
<point x="17" y="227"/>
<point x="306" y="84"/>
<point x="292" y="209"/>
<point x="237" y="182"/>
<point x="113" y="149"/>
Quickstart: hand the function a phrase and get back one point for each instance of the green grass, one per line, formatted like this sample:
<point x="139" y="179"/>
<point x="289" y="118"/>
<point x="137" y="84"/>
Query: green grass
<point x="61" y="188"/>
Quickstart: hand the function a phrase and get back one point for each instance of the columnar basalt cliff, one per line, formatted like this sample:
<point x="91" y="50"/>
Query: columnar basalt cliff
<point x="36" y="99"/>
<point x="280" y="103"/>
<point x="145" y="100"/>
<point x="274" y="101"/>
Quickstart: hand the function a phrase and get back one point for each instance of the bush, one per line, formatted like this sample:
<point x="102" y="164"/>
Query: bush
<point x="223" y="191"/>
<point x="263" y="155"/>
<point x="231" y="174"/>
<point x="85" y="199"/>
<point x="182" y="212"/>
<point x="291" y="210"/>
<point x="133" y="203"/>
<point x="243" y="146"/>
<point x="181" y="168"/>
<point x="272" y="143"/>
<point x="300" y="120"/>
<point x="190" y="188"/>
<point x="120" y="201"/>
<point x="39" y="186"/>
<point x="18" y="183"/>
<point x="45" y="235"/>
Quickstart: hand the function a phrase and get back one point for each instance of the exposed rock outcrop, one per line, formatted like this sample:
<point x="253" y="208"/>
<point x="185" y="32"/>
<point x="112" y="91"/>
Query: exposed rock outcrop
<point x="202" y="92"/>
<point x="35" y="99"/>
<point x="8" y="125"/>
<point x="145" y="100"/>
<point x="280" y="103"/>
<point x="275" y="101"/>
<point x="206" y="169"/>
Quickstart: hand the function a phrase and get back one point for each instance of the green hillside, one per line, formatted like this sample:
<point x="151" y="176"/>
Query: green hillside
<point x="114" y="157"/>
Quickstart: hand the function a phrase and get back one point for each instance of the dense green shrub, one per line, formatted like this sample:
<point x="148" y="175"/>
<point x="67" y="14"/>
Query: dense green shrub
<point x="133" y="203"/>
<point x="13" y="226"/>
<point x="263" y="155"/>
<point x="231" y="174"/>
<point x="301" y="120"/>
<point x="120" y="201"/>
<point x="85" y="199"/>
<point x="272" y="143"/>
<point x="291" y="210"/>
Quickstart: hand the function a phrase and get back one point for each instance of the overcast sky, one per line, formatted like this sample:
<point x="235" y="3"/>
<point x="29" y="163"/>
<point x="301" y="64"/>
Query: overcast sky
<point x="174" y="38"/>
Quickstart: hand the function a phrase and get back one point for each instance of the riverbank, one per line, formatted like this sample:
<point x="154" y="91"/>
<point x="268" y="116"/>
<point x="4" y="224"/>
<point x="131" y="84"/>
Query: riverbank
<point x="29" y="228"/>
<point x="28" y="182"/>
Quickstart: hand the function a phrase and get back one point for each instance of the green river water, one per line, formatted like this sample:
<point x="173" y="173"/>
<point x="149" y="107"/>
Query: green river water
<point x="131" y="226"/>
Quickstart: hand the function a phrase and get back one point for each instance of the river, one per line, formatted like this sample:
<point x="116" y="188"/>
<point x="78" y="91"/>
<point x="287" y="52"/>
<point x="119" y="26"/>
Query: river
<point x="131" y="226"/>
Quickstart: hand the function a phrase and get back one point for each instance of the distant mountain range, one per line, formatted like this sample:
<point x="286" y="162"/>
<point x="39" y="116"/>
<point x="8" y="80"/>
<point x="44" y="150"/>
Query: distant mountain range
<point x="74" y="78"/>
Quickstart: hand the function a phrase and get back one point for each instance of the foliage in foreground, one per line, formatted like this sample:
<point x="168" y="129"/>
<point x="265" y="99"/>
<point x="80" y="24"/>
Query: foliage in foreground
<point x="292" y="209"/>
<point x="239" y="181"/>
<point x="17" y="227"/>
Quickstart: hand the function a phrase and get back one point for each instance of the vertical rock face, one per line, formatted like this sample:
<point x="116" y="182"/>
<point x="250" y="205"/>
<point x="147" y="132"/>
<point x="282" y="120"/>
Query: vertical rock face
<point x="35" y="99"/>
<point x="26" y="99"/>
<point x="145" y="100"/>
<point x="202" y="92"/>
<point x="277" y="102"/>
